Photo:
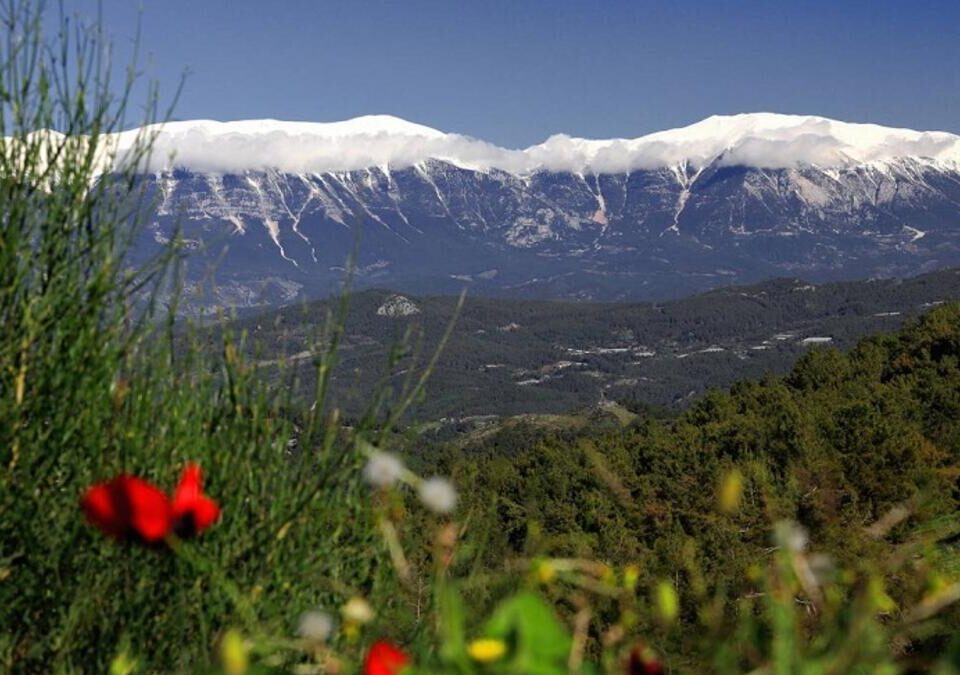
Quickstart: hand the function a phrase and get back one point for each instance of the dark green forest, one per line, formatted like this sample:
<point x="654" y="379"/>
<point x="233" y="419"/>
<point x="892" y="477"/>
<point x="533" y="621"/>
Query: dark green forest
<point x="842" y="442"/>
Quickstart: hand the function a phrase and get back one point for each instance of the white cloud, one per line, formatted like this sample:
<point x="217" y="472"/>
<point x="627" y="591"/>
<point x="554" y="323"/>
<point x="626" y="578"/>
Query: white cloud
<point x="763" y="140"/>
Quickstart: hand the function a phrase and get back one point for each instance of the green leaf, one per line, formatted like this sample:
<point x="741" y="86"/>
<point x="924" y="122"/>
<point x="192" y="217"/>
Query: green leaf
<point x="538" y="642"/>
<point x="452" y="633"/>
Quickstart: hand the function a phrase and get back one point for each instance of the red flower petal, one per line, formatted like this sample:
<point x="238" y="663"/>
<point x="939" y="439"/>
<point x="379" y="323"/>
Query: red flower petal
<point x="128" y="506"/>
<point x="149" y="509"/>
<point x="384" y="659"/>
<point x="188" y="489"/>
<point x="102" y="512"/>
<point x="643" y="661"/>
<point x="192" y="511"/>
<point x="205" y="513"/>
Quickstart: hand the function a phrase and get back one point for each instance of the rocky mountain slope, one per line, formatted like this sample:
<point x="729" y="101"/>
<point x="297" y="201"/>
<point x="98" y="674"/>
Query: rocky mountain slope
<point x="271" y="211"/>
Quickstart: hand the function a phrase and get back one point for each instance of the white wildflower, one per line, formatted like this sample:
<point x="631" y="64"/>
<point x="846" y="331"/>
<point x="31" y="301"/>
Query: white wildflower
<point x="438" y="495"/>
<point x="357" y="611"/>
<point x="791" y="536"/>
<point x="315" y="626"/>
<point x="383" y="469"/>
<point x="823" y="569"/>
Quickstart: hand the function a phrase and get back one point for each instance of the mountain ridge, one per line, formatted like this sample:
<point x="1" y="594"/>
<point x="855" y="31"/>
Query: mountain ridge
<point x="556" y="225"/>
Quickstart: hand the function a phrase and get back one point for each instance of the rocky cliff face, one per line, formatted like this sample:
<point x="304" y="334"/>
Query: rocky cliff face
<point x="270" y="235"/>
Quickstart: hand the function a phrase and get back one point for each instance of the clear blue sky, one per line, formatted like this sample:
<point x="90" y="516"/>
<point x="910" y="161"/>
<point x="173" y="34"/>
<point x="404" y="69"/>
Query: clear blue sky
<point x="513" y="72"/>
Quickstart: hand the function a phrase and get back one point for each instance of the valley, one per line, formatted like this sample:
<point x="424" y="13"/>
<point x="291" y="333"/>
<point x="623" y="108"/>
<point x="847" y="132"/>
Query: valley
<point x="513" y="357"/>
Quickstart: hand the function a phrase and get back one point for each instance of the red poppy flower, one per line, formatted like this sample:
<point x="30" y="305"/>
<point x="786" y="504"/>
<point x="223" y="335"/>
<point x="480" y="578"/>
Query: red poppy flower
<point x="192" y="511"/>
<point x="128" y="507"/>
<point x="384" y="659"/>
<point x="644" y="661"/>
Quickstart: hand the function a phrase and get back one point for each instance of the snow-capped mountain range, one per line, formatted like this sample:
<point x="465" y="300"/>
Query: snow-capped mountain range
<point x="277" y="207"/>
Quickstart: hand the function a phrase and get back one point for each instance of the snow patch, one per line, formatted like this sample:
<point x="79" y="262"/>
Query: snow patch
<point x="915" y="233"/>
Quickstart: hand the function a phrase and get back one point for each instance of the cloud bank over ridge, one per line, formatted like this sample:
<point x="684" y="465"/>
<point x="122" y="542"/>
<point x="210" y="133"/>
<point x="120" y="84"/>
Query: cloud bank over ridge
<point x="761" y="140"/>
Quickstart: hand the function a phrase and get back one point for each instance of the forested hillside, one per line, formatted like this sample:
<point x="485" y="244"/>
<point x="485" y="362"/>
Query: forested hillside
<point x="841" y="443"/>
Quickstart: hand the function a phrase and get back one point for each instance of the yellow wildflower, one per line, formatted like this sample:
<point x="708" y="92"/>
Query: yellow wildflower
<point x="544" y="571"/>
<point x="487" y="650"/>
<point x="731" y="491"/>
<point x="233" y="653"/>
<point x="358" y="611"/>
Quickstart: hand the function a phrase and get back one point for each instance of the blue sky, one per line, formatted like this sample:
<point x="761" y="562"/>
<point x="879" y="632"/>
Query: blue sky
<point x="514" y="72"/>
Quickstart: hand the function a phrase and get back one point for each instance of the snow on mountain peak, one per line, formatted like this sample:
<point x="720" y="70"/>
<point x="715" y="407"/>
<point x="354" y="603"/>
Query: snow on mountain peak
<point x="761" y="140"/>
<point x="367" y="125"/>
